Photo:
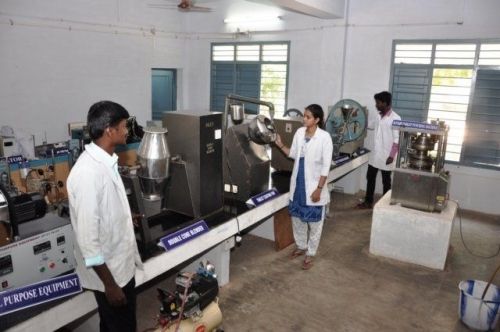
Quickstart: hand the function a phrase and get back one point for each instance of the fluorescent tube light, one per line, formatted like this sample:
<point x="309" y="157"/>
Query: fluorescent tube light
<point x="257" y="19"/>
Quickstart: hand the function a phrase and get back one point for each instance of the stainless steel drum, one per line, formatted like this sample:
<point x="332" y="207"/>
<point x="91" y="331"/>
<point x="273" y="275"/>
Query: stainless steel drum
<point x="154" y="157"/>
<point x="261" y="130"/>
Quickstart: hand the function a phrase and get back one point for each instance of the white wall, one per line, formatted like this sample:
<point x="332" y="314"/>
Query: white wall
<point x="314" y="55"/>
<point x="316" y="60"/>
<point x="59" y="57"/>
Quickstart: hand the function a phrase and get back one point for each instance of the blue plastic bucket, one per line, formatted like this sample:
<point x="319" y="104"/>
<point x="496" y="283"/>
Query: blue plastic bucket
<point x="476" y="313"/>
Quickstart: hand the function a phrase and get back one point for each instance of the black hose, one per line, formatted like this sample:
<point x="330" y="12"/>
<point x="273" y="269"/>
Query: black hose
<point x="463" y="241"/>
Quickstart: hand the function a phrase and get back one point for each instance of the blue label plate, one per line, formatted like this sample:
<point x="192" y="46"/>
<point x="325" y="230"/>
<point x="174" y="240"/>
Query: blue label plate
<point x="184" y="235"/>
<point x="263" y="197"/>
<point x="38" y="293"/>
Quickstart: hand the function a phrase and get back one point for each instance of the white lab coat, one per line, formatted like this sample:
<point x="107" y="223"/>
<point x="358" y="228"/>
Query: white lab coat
<point x="317" y="162"/>
<point x="101" y="219"/>
<point x="383" y="138"/>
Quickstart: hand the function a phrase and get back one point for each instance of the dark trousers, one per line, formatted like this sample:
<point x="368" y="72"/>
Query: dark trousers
<point x="118" y="318"/>
<point x="371" y="177"/>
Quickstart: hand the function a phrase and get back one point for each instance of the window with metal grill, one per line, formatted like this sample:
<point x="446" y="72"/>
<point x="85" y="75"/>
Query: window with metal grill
<point x="454" y="81"/>
<point x="257" y="70"/>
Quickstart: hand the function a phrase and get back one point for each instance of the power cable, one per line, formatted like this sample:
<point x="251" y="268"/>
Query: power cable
<point x="463" y="241"/>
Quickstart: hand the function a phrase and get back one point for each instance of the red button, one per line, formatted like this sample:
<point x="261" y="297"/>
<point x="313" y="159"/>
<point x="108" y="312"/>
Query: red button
<point x="5" y="284"/>
<point x="52" y="265"/>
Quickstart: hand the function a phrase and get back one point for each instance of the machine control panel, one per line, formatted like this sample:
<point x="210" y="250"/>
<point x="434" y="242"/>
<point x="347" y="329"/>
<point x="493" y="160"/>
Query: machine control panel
<point x="36" y="258"/>
<point x="6" y="265"/>
<point x="39" y="248"/>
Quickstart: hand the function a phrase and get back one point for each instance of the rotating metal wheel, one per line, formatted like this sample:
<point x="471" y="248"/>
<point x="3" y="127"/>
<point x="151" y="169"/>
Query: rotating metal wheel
<point x="348" y="117"/>
<point x="346" y="122"/>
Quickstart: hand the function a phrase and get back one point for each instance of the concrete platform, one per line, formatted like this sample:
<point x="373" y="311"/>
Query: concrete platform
<point x="410" y="235"/>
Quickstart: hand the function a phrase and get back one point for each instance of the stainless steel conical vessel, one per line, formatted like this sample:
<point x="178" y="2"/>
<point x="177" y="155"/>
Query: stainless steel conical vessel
<point x="154" y="157"/>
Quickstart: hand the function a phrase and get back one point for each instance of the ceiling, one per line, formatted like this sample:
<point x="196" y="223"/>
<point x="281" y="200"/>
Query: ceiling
<point x="325" y="9"/>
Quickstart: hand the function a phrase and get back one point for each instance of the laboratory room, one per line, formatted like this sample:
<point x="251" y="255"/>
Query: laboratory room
<point x="249" y="165"/>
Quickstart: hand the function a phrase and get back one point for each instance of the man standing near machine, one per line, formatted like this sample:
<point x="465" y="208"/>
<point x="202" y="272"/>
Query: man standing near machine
<point x="385" y="147"/>
<point x="106" y="249"/>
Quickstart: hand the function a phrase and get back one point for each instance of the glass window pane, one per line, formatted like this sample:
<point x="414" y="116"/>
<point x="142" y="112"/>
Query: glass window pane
<point x="223" y="53"/>
<point x="439" y="114"/>
<point x="489" y="62"/>
<point x="455" y="148"/>
<point x="489" y="55"/>
<point x="453" y="61"/>
<point x="247" y="52"/>
<point x="455" y="47"/>
<point x="452" y="73"/>
<point x="459" y="108"/>
<point x="455" y="54"/>
<point x="413" y="53"/>
<point x="490" y="47"/>
<point x="452" y="156"/>
<point x="450" y="90"/>
<point x="414" y="47"/>
<point x="422" y="61"/>
<point x="272" y="60"/>
<point x="273" y="85"/>
<point x="274" y="52"/>
<point x="449" y="100"/>
<point x="445" y="81"/>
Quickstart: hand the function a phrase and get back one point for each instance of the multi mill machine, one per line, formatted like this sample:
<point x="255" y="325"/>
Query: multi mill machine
<point x="346" y="122"/>
<point x="420" y="181"/>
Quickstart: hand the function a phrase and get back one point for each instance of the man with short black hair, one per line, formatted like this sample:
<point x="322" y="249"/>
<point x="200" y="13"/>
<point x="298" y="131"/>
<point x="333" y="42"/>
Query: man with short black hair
<point x="385" y="147"/>
<point x="106" y="249"/>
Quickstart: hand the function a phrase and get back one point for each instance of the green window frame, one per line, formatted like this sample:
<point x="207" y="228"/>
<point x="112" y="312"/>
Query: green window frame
<point x="252" y="69"/>
<point x="457" y="81"/>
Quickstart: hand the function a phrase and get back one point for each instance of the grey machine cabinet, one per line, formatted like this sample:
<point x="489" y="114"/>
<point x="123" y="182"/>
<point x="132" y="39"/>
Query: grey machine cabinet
<point x="196" y="139"/>
<point x="286" y="128"/>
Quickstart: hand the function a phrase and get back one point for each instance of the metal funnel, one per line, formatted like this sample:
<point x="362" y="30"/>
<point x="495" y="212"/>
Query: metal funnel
<point x="154" y="157"/>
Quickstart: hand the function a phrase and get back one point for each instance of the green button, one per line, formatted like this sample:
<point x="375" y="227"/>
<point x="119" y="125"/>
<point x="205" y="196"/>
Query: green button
<point x="42" y="269"/>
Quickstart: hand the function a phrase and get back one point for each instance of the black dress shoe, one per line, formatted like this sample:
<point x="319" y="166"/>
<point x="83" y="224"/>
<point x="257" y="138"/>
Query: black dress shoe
<point x="364" y="206"/>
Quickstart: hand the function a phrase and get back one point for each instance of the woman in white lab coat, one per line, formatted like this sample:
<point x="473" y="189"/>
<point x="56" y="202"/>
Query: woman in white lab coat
<point x="312" y="151"/>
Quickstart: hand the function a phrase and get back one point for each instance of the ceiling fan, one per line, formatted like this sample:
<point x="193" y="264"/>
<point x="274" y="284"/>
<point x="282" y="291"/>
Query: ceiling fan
<point x="183" y="6"/>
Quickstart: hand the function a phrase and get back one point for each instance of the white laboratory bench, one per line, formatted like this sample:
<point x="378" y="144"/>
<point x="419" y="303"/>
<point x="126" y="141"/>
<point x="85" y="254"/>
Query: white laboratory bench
<point x="84" y="303"/>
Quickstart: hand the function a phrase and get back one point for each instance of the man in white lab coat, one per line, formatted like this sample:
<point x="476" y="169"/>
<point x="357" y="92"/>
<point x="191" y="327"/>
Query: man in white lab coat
<point x="106" y="249"/>
<point x="385" y="147"/>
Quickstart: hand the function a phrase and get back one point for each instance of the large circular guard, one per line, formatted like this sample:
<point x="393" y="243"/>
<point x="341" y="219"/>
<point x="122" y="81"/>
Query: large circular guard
<point x="261" y="130"/>
<point x="348" y="116"/>
<point x="346" y="122"/>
